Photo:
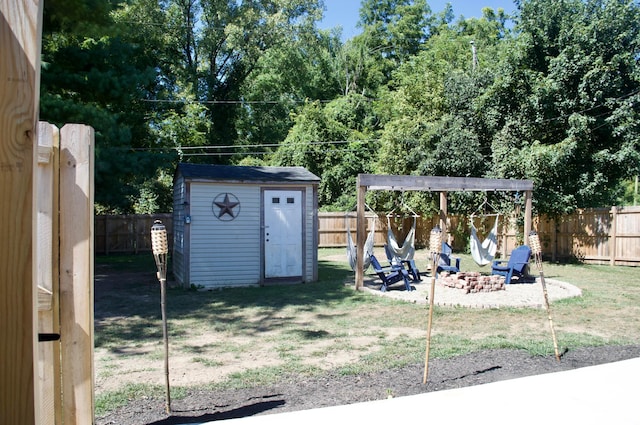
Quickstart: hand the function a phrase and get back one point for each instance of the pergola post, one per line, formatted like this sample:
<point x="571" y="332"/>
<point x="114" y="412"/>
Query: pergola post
<point x="443" y="215"/>
<point x="527" y="215"/>
<point x="360" y="235"/>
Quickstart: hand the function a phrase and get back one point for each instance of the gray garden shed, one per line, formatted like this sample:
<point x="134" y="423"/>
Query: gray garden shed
<point x="240" y="226"/>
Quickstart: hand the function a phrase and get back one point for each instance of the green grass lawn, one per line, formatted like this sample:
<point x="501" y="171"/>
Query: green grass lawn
<point x="307" y="329"/>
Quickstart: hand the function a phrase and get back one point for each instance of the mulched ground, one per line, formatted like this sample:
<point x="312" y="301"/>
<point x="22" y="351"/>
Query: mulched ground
<point x="294" y="393"/>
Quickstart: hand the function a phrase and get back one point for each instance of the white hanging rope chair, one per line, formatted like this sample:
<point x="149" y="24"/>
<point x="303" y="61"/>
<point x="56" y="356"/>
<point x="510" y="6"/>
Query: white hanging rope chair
<point x="484" y="252"/>
<point x="408" y="249"/>
<point x="352" y="252"/>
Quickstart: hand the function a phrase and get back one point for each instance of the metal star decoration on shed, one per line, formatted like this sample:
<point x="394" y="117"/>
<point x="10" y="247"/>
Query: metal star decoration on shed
<point x="226" y="206"/>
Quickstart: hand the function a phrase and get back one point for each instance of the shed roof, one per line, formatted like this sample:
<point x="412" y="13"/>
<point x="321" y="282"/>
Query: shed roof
<point x="238" y="173"/>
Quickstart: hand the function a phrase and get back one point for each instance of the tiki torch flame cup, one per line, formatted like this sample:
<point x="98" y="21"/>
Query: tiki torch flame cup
<point x="536" y="248"/>
<point x="435" y="243"/>
<point x="534" y="242"/>
<point x="435" y="240"/>
<point x="160" y="247"/>
<point x="159" y="238"/>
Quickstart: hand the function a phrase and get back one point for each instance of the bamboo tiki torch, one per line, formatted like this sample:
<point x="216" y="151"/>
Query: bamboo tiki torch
<point x="536" y="250"/>
<point x="160" y="249"/>
<point x="435" y="244"/>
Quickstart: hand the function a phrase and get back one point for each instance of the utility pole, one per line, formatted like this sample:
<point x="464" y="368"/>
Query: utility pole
<point x="474" y="59"/>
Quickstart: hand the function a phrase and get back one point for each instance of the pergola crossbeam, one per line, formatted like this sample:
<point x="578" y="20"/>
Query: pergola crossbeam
<point x="438" y="183"/>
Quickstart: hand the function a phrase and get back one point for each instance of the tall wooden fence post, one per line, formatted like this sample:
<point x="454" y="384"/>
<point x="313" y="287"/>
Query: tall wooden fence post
<point x="20" y="34"/>
<point x="613" y="252"/>
<point x="76" y="272"/>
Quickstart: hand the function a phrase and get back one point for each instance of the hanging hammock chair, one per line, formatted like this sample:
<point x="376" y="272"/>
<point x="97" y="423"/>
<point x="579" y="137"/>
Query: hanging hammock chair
<point x="408" y="249"/>
<point x="352" y="256"/>
<point x="483" y="252"/>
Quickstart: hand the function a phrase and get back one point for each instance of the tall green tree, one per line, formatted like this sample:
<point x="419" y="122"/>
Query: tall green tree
<point x="392" y="32"/>
<point x="158" y="79"/>
<point x="431" y="108"/>
<point x="92" y="74"/>
<point x="335" y="141"/>
<point x="567" y="102"/>
<point x="285" y="77"/>
<point x="220" y="44"/>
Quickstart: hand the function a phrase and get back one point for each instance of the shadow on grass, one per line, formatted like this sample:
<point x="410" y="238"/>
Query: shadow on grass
<point x="127" y="304"/>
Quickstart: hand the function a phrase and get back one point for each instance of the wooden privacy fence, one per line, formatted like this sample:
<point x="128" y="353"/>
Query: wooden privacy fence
<point x="595" y="236"/>
<point x="128" y="233"/>
<point x="64" y="264"/>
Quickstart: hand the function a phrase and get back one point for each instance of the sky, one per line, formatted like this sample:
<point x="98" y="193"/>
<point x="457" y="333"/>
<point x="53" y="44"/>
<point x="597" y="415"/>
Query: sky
<point x="344" y="13"/>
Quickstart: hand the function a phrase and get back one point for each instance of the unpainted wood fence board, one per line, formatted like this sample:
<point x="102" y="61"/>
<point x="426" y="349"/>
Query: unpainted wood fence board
<point x="76" y="272"/>
<point x="47" y="272"/>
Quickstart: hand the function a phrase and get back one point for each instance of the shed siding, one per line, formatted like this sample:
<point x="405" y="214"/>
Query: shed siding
<point x="179" y="197"/>
<point x="308" y="234"/>
<point x="311" y="234"/>
<point x="224" y="253"/>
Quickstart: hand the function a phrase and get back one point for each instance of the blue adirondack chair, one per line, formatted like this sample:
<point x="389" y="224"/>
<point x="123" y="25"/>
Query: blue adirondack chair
<point x="445" y="260"/>
<point x="390" y="275"/>
<point x="516" y="266"/>
<point x="412" y="269"/>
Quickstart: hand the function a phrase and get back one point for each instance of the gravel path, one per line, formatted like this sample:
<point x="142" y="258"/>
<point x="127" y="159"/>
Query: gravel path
<point x="529" y="294"/>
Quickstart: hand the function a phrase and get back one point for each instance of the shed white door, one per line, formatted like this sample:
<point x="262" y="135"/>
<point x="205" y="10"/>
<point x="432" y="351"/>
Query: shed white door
<point x="282" y="233"/>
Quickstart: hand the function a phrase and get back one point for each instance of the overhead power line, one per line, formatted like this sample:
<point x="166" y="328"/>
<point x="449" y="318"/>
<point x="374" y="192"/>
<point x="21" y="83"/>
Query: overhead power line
<point x="246" y="102"/>
<point x="564" y="116"/>
<point x="250" y="153"/>
<point x="256" y="145"/>
<point x="227" y="102"/>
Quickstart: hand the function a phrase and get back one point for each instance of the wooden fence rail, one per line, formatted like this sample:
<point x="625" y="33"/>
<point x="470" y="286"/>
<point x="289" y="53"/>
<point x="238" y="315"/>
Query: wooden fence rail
<point x="595" y="236"/>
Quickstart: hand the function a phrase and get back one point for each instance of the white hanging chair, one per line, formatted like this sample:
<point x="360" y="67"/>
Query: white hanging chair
<point x="352" y="253"/>
<point x="408" y="249"/>
<point x="484" y="252"/>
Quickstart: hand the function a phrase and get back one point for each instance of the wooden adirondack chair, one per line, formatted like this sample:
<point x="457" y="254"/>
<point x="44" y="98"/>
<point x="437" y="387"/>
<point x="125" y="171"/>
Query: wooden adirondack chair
<point x="516" y="265"/>
<point x="390" y="275"/>
<point x="412" y="269"/>
<point x="444" y="262"/>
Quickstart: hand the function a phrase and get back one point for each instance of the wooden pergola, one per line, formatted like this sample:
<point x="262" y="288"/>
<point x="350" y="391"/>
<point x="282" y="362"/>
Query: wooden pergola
<point x="432" y="184"/>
